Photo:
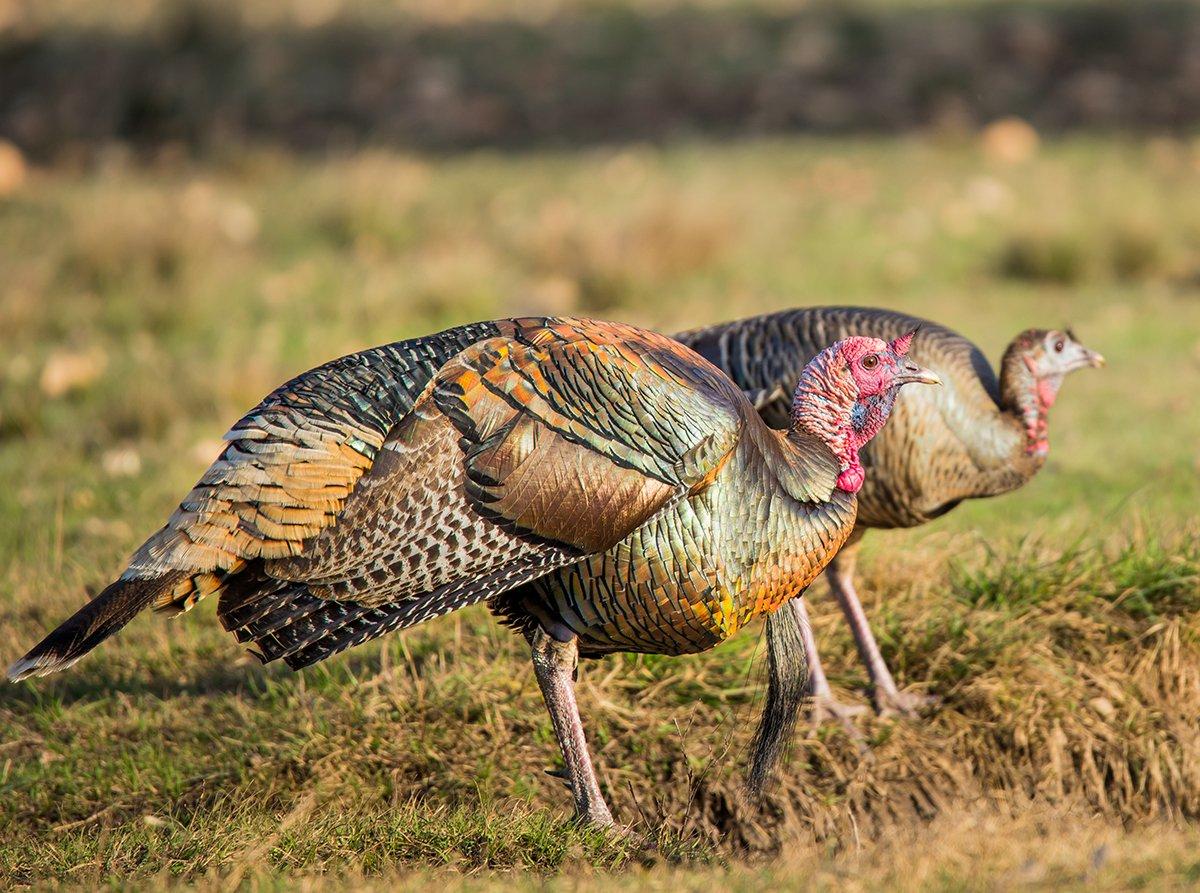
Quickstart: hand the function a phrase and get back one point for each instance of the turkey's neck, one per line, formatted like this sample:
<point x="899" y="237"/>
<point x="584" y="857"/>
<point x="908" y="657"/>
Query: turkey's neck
<point x="1027" y="399"/>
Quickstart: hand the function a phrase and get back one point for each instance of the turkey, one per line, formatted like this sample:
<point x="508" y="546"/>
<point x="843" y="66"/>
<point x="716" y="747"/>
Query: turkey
<point x="975" y="437"/>
<point x="604" y="487"/>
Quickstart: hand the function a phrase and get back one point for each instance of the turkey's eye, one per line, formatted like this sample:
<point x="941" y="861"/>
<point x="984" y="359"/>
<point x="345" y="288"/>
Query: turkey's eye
<point x="1058" y="346"/>
<point x="870" y="362"/>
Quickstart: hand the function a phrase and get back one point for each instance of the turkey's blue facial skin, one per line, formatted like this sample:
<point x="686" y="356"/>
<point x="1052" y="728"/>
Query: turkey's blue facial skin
<point x="868" y="413"/>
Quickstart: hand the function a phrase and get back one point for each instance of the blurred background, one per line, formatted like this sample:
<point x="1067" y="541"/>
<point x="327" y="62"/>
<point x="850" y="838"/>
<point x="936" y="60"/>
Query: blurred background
<point x="199" y="200"/>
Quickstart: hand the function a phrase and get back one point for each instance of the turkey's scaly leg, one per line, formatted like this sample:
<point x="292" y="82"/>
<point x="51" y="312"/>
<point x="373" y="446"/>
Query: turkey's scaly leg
<point x="889" y="700"/>
<point x="825" y="706"/>
<point x="554" y="665"/>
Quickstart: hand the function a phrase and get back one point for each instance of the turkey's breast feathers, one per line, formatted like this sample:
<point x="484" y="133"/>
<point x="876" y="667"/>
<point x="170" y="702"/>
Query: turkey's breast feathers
<point x="696" y="573"/>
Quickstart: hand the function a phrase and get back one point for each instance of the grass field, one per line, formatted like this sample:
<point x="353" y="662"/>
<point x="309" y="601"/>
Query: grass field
<point x="143" y="308"/>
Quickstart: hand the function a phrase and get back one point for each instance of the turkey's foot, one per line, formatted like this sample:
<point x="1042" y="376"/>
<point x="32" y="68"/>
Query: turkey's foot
<point x="595" y="815"/>
<point x="896" y="704"/>
<point x="826" y="709"/>
<point x="600" y="817"/>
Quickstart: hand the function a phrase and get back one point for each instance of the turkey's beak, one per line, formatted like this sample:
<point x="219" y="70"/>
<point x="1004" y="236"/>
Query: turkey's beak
<point x="910" y="373"/>
<point x="1082" y="358"/>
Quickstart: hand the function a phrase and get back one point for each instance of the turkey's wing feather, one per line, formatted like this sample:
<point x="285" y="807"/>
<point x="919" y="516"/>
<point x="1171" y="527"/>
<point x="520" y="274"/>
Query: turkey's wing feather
<point x="285" y="619"/>
<point x="512" y="453"/>
<point x="580" y="431"/>
<point x="539" y="463"/>
<point x="410" y="533"/>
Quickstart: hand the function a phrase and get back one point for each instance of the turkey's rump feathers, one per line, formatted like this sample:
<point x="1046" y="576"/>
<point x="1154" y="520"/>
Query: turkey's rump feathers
<point x="403" y="482"/>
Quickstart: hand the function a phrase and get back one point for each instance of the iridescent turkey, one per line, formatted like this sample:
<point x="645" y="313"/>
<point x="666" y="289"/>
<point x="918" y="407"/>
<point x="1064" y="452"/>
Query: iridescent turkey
<point x="604" y="487"/>
<point x="977" y="436"/>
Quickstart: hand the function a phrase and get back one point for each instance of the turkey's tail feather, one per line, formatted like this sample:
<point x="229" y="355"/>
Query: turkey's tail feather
<point x="119" y="603"/>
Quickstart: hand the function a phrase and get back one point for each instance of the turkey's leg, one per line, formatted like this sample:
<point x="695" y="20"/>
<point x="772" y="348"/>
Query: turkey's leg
<point x="889" y="700"/>
<point x="825" y="706"/>
<point x="554" y="665"/>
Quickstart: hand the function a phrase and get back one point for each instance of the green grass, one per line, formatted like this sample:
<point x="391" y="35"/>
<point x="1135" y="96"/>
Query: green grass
<point x="143" y="309"/>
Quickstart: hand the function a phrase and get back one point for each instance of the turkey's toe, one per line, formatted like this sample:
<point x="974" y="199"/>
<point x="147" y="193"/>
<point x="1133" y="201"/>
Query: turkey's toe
<point x="826" y="709"/>
<point x="904" y="704"/>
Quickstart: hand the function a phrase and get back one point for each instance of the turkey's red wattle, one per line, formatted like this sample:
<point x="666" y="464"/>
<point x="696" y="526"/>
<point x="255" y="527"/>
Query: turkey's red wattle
<point x="852" y="479"/>
<point x="1035" y="409"/>
<point x="1047" y="391"/>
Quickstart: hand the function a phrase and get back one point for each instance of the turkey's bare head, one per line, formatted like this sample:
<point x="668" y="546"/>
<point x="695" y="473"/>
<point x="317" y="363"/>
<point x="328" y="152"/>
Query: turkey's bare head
<point x="1032" y="372"/>
<point x="846" y="393"/>
<point x="1050" y="354"/>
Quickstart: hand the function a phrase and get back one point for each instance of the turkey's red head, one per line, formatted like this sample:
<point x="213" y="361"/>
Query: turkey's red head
<point x="847" y="392"/>
<point x="879" y="367"/>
